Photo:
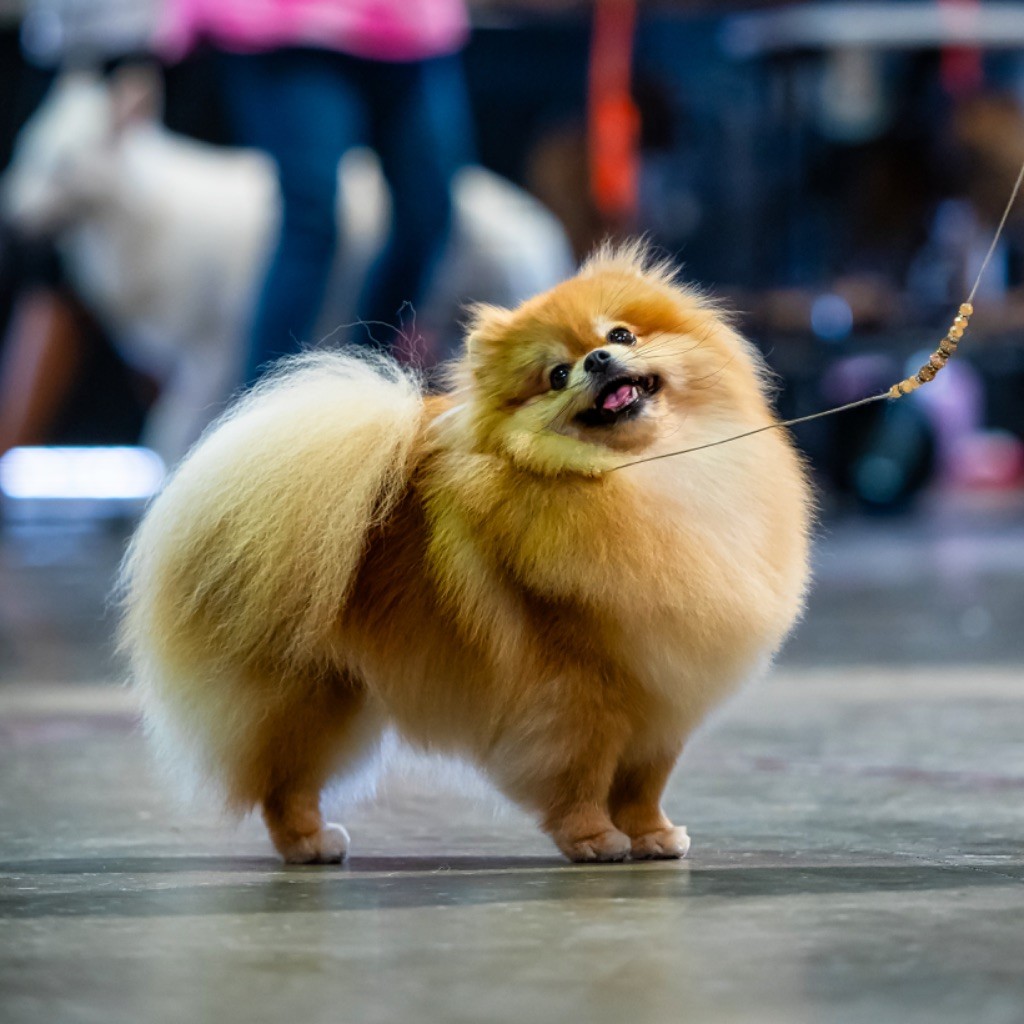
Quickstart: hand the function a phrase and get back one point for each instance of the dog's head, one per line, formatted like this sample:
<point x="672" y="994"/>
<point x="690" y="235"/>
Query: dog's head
<point x="67" y="156"/>
<point x="614" y="363"/>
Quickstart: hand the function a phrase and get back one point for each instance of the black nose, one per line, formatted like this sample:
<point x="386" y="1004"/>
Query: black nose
<point x="597" y="361"/>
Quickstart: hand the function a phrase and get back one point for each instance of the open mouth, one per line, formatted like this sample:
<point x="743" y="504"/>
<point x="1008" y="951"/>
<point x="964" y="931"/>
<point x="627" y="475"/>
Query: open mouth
<point x="619" y="399"/>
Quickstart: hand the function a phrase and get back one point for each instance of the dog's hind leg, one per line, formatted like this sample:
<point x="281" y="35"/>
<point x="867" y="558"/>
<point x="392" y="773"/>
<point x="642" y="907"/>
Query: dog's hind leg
<point x="298" y="829"/>
<point x="315" y="734"/>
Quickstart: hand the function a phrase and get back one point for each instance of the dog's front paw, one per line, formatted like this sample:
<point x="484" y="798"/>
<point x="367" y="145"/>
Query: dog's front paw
<point x="661" y="844"/>
<point x="327" y="846"/>
<point x="610" y="845"/>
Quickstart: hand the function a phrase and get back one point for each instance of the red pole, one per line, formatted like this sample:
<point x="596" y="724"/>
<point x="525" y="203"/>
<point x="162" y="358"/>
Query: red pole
<point x="613" y="119"/>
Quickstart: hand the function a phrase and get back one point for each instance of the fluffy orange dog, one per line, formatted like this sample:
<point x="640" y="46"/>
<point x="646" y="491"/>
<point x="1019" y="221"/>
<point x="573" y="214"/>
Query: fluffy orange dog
<point x="340" y="555"/>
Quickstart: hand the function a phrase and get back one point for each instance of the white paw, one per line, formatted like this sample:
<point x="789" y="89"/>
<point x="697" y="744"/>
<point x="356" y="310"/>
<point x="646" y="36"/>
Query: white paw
<point x="662" y="844"/>
<point x="605" y="846"/>
<point x="328" y="846"/>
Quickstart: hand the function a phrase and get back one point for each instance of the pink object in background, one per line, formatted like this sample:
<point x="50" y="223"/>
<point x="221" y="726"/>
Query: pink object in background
<point x="386" y="30"/>
<point x="971" y="457"/>
<point x="990" y="460"/>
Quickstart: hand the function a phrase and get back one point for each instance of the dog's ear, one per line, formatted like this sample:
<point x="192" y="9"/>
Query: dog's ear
<point x="486" y="325"/>
<point x="136" y="96"/>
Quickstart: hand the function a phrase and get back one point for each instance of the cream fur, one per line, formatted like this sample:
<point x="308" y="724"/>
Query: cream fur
<point x="234" y="573"/>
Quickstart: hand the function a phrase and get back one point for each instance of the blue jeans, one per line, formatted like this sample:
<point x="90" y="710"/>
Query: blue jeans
<point x="306" y="108"/>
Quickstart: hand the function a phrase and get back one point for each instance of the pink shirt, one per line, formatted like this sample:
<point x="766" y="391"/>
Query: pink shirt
<point x="389" y="30"/>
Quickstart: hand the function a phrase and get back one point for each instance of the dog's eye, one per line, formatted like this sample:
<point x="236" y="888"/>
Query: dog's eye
<point x="621" y="336"/>
<point x="560" y="376"/>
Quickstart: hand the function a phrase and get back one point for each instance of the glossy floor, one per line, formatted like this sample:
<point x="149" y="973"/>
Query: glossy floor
<point x="858" y="834"/>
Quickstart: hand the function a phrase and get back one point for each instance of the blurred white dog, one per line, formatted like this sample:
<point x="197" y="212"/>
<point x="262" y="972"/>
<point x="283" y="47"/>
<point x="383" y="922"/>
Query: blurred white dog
<point x="166" y="239"/>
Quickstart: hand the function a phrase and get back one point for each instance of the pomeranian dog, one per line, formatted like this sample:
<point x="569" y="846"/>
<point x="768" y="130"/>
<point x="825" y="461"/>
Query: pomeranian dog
<point x="481" y="571"/>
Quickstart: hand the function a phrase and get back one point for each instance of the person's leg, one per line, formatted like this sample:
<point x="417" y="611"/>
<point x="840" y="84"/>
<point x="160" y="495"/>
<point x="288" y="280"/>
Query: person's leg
<point x="298" y="107"/>
<point x="422" y="133"/>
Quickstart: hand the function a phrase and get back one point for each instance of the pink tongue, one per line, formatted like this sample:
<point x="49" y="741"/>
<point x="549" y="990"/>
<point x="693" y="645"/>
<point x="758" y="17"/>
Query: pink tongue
<point x="619" y="398"/>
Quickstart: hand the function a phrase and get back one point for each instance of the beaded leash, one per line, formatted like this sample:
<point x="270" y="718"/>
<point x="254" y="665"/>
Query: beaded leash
<point x="936" y="361"/>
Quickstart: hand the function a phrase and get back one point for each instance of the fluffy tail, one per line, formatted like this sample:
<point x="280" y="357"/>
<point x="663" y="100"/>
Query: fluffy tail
<point x="240" y="568"/>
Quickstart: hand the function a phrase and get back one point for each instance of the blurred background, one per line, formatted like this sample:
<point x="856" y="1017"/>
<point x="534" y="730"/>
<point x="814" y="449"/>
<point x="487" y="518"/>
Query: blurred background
<point x="832" y="170"/>
<point x="191" y="187"/>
